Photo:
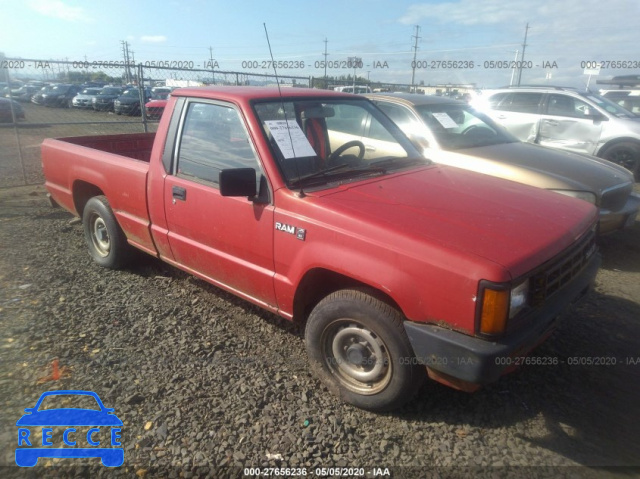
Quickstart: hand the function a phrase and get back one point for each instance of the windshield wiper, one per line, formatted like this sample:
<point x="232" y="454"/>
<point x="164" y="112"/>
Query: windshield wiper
<point x="317" y="174"/>
<point x="337" y="171"/>
<point x="399" y="162"/>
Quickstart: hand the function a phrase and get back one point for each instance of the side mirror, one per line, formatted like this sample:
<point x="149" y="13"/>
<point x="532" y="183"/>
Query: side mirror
<point x="238" y="182"/>
<point x="594" y="115"/>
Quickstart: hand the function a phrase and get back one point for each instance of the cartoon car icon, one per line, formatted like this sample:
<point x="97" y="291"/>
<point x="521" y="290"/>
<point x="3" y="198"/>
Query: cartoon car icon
<point x="27" y="456"/>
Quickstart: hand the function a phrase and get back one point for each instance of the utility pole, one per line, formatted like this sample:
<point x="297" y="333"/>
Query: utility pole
<point x="125" y="54"/>
<point x="326" y="84"/>
<point x="415" y="53"/>
<point x="513" y="70"/>
<point x="524" y="46"/>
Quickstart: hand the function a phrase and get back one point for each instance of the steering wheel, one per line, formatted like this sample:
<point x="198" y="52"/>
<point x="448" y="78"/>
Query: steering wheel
<point x="478" y="130"/>
<point x="472" y="129"/>
<point x="350" y="144"/>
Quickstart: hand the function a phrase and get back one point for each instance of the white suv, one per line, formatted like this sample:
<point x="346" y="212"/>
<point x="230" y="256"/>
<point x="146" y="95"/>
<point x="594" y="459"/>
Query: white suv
<point x="569" y="119"/>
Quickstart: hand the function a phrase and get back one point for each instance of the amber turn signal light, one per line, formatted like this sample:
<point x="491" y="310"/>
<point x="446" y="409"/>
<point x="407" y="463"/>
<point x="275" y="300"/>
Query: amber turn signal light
<point x="495" y="311"/>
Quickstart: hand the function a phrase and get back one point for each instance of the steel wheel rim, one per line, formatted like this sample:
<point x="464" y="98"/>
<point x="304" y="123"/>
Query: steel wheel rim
<point x="100" y="235"/>
<point x="356" y="356"/>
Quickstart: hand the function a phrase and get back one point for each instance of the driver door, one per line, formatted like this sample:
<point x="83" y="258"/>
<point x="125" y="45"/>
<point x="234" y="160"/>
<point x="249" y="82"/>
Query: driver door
<point x="227" y="240"/>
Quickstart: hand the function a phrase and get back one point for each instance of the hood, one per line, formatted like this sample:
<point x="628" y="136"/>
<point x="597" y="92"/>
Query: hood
<point x="552" y="168"/>
<point x="512" y="225"/>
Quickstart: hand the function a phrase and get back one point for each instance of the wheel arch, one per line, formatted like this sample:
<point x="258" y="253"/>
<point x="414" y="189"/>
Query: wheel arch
<point x="615" y="141"/>
<point x="83" y="191"/>
<point x="317" y="283"/>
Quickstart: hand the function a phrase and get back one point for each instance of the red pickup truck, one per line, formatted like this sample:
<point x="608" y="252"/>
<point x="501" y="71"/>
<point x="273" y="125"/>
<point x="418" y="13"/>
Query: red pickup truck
<point x="313" y="205"/>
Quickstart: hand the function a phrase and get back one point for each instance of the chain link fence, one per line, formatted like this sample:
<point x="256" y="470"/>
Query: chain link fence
<point x="51" y="99"/>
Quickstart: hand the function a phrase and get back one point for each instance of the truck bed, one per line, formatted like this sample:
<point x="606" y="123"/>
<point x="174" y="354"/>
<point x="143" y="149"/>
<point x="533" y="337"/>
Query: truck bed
<point x="115" y="166"/>
<point x="136" y="145"/>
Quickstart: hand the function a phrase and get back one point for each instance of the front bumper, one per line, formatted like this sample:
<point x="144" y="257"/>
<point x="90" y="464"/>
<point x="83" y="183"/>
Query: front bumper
<point x="479" y="361"/>
<point x="611" y="221"/>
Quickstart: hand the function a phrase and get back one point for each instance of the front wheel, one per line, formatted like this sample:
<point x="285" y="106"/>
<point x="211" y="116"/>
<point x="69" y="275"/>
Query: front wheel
<point x="625" y="154"/>
<point x="358" y="347"/>
<point x="106" y="241"/>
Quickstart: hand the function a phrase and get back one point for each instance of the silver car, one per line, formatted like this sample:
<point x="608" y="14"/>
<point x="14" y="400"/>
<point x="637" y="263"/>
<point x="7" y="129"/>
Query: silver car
<point x="568" y="119"/>
<point x="453" y="133"/>
<point x="84" y="99"/>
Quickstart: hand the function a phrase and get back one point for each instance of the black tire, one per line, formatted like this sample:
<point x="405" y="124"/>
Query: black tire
<point x="359" y="349"/>
<point x="625" y="153"/>
<point x="106" y="241"/>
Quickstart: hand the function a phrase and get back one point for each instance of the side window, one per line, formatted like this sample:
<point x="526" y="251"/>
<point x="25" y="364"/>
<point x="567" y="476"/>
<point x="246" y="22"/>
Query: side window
<point x="562" y="105"/>
<point x="495" y="100"/>
<point x="348" y="119"/>
<point x="520" y="102"/>
<point x="379" y="132"/>
<point x="398" y="114"/>
<point x="213" y="139"/>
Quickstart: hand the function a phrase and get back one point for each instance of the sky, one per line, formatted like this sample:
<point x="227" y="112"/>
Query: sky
<point x="469" y="34"/>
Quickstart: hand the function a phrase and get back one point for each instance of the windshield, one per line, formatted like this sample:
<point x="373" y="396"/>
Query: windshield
<point x="611" y="107"/>
<point x="60" y="88"/>
<point x="131" y="93"/>
<point x="90" y="91"/>
<point x="456" y="127"/>
<point x="331" y="140"/>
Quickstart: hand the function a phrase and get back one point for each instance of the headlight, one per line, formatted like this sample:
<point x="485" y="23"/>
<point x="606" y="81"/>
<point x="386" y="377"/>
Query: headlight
<point x="519" y="296"/>
<point x="581" y="195"/>
<point x="499" y="304"/>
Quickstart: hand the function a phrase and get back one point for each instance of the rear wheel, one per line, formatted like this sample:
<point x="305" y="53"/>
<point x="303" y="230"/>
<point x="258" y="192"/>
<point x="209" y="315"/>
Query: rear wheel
<point x="106" y="241"/>
<point x="625" y="154"/>
<point x="358" y="347"/>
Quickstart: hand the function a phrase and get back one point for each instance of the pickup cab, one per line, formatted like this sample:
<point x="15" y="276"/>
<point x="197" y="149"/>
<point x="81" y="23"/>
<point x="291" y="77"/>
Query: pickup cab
<point x="399" y="268"/>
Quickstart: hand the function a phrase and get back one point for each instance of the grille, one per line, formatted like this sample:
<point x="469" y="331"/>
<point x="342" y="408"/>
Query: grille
<point x="562" y="270"/>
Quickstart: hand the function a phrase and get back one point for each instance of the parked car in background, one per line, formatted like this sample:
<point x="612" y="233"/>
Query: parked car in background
<point x="103" y="101"/>
<point x="60" y="95"/>
<point x="358" y="89"/>
<point x="24" y="93"/>
<point x="38" y="98"/>
<point x="568" y="119"/>
<point x="160" y="92"/>
<point x="129" y="102"/>
<point x="6" y="115"/>
<point x="84" y="99"/>
<point x="627" y="99"/>
<point x="453" y="133"/>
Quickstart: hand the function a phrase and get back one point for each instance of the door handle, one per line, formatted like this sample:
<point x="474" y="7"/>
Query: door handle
<point x="179" y="193"/>
<point x="370" y="148"/>
<point x="551" y="122"/>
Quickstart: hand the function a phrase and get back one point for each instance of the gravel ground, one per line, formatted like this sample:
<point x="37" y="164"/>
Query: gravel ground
<point x="207" y="384"/>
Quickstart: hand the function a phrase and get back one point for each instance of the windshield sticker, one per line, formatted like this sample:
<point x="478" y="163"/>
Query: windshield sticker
<point x="445" y="120"/>
<point x="291" y="140"/>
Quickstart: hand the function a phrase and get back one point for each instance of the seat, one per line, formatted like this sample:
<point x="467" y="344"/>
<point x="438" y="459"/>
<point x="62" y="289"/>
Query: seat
<point x="315" y="130"/>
